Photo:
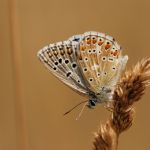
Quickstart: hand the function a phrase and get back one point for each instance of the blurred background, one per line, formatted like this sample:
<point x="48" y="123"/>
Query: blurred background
<point x="32" y="101"/>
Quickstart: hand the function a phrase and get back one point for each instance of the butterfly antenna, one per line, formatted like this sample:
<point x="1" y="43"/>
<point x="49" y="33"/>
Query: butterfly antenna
<point x="81" y="111"/>
<point x="74" y="107"/>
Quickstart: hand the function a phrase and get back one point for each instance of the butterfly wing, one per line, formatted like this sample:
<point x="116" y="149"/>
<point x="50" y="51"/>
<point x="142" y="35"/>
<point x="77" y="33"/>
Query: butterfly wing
<point x="101" y="60"/>
<point x="85" y="62"/>
<point x="60" y="59"/>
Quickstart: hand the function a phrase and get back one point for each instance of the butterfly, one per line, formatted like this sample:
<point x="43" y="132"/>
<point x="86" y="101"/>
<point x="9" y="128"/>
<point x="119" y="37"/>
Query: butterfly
<point x="90" y="63"/>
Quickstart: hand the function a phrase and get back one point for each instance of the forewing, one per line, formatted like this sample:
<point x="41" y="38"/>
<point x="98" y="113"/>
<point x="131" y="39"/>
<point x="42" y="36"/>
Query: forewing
<point x="60" y="59"/>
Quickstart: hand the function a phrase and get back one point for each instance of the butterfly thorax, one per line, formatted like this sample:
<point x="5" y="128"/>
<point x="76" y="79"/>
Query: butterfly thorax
<point x="105" y="94"/>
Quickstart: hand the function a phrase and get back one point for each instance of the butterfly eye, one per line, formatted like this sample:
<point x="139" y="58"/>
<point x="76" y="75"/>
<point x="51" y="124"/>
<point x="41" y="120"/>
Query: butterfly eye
<point x="92" y="103"/>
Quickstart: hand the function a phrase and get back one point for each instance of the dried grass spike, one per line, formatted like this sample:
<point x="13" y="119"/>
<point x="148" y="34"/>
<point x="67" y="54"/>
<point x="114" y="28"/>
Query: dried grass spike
<point x="129" y="90"/>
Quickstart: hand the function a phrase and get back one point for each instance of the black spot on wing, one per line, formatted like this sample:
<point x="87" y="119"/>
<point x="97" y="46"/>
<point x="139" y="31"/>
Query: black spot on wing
<point x="68" y="74"/>
<point x="74" y="65"/>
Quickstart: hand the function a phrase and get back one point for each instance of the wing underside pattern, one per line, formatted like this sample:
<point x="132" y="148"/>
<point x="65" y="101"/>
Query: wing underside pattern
<point x="60" y="59"/>
<point x="85" y="62"/>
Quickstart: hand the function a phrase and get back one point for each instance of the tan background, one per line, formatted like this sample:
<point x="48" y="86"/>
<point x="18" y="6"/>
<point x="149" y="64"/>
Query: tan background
<point x="32" y="101"/>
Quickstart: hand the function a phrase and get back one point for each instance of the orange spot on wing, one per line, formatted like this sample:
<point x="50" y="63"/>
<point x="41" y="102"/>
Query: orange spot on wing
<point x="82" y="47"/>
<point x="94" y="41"/>
<point x="88" y="41"/>
<point x="100" y="43"/>
<point x="107" y="46"/>
<point x="116" y="53"/>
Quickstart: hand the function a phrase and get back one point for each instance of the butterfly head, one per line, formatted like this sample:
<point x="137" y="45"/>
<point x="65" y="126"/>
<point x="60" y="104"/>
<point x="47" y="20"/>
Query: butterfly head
<point x="91" y="103"/>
